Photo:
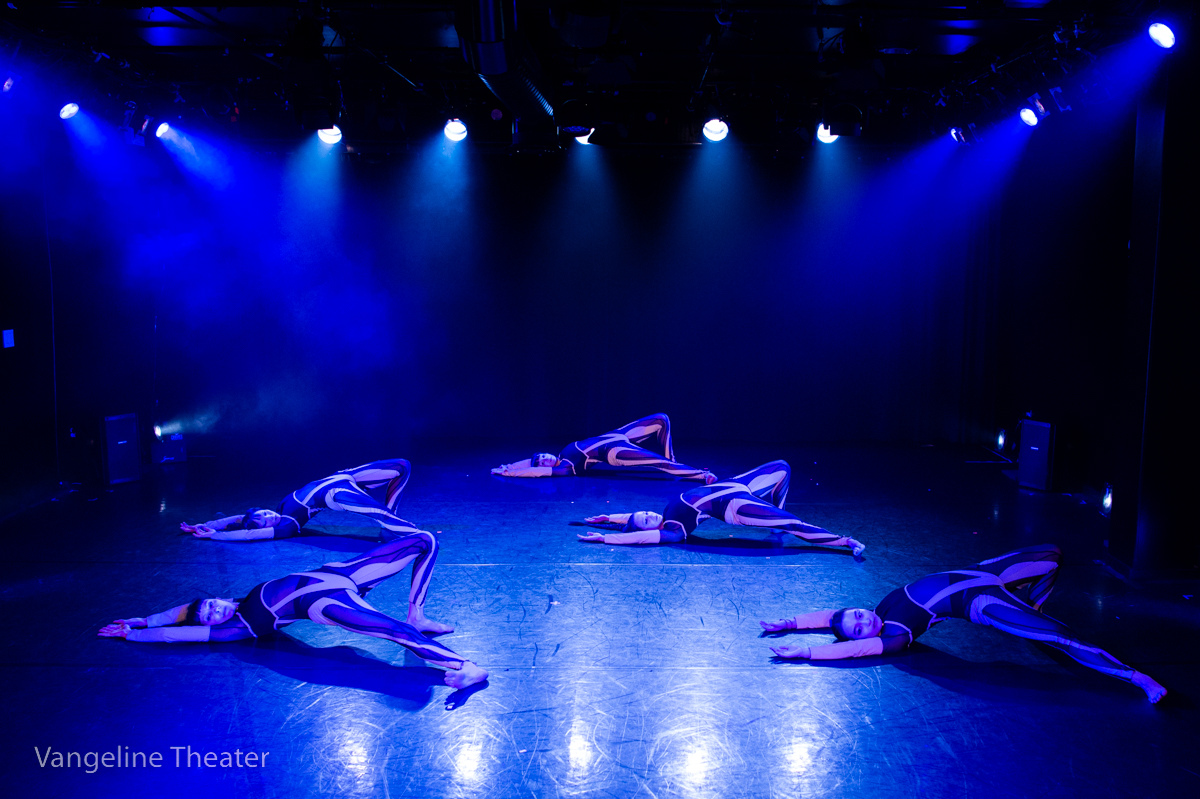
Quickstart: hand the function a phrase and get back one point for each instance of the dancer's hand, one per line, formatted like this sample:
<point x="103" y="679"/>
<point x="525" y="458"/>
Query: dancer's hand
<point x="501" y="469"/>
<point x="202" y="531"/>
<point x="777" y="626"/>
<point x="801" y="651"/>
<point x="187" y="528"/>
<point x="709" y="477"/>
<point x="118" y="629"/>
<point x="601" y="519"/>
<point x="595" y="538"/>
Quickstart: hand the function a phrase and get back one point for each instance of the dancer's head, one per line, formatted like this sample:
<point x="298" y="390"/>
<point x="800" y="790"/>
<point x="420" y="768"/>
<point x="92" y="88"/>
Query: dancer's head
<point x="543" y="459"/>
<point x="258" y="518"/>
<point x="855" y="623"/>
<point x="210" y="611"/>
<point x="643" y="520"/>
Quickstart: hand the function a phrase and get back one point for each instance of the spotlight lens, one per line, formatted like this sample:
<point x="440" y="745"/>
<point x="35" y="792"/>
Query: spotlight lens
<point x="825" y="135"/>
<point x="330" y="135"/>
<point x="1107" y="501"/>
<point x="1029" y="117"/>
<point x="1000" y="440"/>
<point x="69" y="110"/>
<point x="157" y="431"/>
<point x="455" y="130"/>
<point x="8" y="84"/>
<point x="1161" y="35"/>
<point x="584" y="139"/>
<point x="715" y="130"/>
<point x="162" y="130"/>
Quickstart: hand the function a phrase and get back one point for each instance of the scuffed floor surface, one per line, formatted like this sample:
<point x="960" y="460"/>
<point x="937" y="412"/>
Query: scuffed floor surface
<point x="615" y="672"/>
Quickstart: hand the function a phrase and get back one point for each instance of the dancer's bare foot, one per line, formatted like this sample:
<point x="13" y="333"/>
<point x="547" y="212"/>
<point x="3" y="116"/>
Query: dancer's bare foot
<point x="856" y="547"/>
<point x="429" y="625"/>
<point x="469" y="674"/>
<point x="1154" y="691"/>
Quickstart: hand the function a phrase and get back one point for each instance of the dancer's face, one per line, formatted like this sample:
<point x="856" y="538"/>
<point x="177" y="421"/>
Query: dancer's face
<point x="215" y="611"/>
<point x="261" y="518"/>
<point x="861" y="623"/>
<point x="544" y="459"/>
<point x="646" y="520"/>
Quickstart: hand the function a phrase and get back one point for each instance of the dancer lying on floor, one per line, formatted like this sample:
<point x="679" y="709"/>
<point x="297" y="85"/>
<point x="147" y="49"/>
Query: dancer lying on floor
<point x="985" y="594"/>
<point x="646" y="442"/>
<point x="753" y="499"/>
<point x="350" y="489"/>
<point x="331" y="594"/>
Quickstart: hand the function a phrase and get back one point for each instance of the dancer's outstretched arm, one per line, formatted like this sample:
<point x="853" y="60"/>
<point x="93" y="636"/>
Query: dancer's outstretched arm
<point x="526" y="468"/>
<point x="840" y="650"/>
<point x="167" y="627"/>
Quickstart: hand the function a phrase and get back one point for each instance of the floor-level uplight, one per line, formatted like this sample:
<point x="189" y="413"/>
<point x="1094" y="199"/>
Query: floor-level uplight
<point x="825" y="135"/>
<point x="455" y="130"/>
<point x="1161" y="35"/>
<point x="331" y="135"/>
<point x="715" y="130"/>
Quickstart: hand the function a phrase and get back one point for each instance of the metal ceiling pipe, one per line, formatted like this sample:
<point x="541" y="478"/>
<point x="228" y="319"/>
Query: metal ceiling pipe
<point x="487" y="34"/>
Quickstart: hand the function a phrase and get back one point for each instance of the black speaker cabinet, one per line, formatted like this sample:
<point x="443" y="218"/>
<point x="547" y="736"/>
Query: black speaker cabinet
<point x="1035" y="466"/>
<point x="119" y="443"/>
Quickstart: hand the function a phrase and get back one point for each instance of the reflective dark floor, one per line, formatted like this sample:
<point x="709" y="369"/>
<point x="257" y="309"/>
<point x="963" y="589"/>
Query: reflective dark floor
<point x="615" y="672"/>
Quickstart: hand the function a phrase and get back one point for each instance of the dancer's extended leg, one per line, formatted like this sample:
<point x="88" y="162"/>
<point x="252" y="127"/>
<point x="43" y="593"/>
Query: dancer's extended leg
<point x="652" y="433"/>
<point x="995" y="607"/>
<point x="375" y="566"/>
<point x="348" y="496"/>
<point x="757" y="513"/>
<point x="350" y="611"/>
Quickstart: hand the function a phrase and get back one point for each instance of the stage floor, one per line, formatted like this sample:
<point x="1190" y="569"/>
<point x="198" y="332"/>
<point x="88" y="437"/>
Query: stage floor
<point x="615" y="671"/>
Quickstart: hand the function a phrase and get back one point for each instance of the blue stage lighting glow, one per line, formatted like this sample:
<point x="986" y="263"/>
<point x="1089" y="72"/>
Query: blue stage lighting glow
<point x="715" y="130"/>
<point x="1029" y="117"/>
<point x="1161" y="35"/>
<point x="455" y="130"/>
<point x="585" y="138"/>
<point x="162" y="130"/>
<point x="330" y="135"/>
<point x="69" y="110"/>
<point x="825" y="135"/>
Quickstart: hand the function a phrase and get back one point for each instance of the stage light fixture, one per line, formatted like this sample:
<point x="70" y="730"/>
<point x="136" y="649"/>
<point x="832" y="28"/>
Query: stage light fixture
<point x="1000" y="441"/>
<point x="162" y="130"/>
<point x="455" y="130"/>
<point x="69" y="110"/>
<point x="1029" y="117"/>
<point x="9" y="82"/>
<point x="331" y="135"/>
<point x="1106" y="502"/>
<point x="157" y="431"/>
<point x="825" y="135"/>
<point x="585" y="138"/>
<point x="1161" y="35"/>
<point x="715" y="129"/>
